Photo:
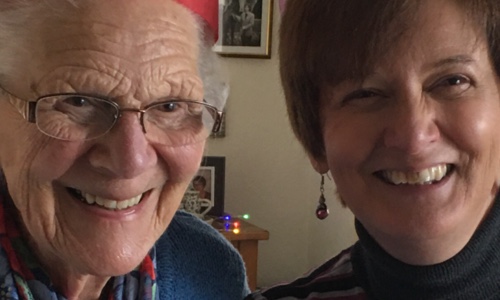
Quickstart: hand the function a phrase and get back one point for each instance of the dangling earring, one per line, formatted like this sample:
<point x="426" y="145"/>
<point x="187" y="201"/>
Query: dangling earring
<point x="322" y="210"/>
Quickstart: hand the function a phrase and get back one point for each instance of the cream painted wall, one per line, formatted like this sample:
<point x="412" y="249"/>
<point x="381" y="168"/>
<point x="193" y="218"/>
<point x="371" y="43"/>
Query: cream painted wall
<point x="269" y="176"/>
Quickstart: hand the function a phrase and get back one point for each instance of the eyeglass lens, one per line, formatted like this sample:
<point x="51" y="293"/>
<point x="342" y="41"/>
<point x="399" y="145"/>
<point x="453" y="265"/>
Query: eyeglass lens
<point x="75" y="117"/>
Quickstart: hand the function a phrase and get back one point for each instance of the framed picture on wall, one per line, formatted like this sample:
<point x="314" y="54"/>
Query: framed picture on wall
<point x="205" y="195"/>
<point x="245" y="28"/>
<point x="222" y="131"/>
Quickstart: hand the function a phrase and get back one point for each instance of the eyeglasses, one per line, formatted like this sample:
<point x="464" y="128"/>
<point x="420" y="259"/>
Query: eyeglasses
<point x="77" y="117"/>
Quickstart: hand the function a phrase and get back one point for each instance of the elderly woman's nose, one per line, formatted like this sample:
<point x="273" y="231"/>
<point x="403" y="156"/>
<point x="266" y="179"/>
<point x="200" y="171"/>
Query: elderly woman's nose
<point x="411" y="128"/>
<point x="124" y="151"/>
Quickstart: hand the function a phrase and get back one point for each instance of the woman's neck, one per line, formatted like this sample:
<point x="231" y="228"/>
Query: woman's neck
<point x="472" y="273"/>
<point x="422" y="250"/>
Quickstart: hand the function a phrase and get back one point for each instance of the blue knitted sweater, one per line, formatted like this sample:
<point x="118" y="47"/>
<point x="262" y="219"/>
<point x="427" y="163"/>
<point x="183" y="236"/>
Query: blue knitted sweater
<point x="196" y="262"/>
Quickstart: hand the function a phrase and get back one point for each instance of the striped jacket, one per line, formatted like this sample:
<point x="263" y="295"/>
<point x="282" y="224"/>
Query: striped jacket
<point x="332" y="280"/>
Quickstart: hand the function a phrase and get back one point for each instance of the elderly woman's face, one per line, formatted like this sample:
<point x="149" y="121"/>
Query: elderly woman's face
<point x="143" y="52"/>
<point x="415" y="147"/>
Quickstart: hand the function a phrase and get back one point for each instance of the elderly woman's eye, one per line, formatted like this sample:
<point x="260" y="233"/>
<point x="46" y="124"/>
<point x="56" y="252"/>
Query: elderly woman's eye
<point x="76" y="101"/>
<point x="75" y="104"/>
<point x="169" y="107"/>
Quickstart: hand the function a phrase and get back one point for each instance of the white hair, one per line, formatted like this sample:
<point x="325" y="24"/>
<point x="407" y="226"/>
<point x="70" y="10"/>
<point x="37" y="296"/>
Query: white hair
<point x="212" y="73"/>
<point x="18" y="19"/>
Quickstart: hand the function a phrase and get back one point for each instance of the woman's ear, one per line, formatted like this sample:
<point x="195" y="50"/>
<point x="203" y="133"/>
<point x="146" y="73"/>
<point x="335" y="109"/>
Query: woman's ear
<point x="319" y="164"/>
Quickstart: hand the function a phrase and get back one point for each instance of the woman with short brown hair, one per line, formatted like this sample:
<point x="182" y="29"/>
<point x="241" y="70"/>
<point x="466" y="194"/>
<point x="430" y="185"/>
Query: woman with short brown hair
<point x="399" y="100"/>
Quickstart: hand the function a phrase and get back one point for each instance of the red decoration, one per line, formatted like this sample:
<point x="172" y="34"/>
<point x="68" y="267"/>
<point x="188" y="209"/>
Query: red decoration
<point x="208" y="10"/>
<point x="282" y="4"/>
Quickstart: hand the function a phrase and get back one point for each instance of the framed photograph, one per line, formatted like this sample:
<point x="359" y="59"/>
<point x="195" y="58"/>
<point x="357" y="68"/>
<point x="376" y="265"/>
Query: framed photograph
<point x="205" y="195"/>
<point x="222" y="130"/>
<point x="245" y="28"/>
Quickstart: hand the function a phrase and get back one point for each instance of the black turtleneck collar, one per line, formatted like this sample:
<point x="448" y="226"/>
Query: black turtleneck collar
<point x="472" y="274"/>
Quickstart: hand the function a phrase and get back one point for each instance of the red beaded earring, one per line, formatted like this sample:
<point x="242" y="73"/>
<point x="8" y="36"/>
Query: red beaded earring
<point x="322" y="210"/>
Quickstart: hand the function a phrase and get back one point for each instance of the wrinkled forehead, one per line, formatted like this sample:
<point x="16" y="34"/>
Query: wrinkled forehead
<point x="129" y="26"/>
<point x="115" y="36"/>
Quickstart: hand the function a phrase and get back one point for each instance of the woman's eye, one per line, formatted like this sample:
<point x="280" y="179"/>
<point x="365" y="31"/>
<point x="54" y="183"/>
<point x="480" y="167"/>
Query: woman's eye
<point x="361" y="94"/>
<point x="452" y="85"/>
<point x="361" y="97"/>
<point x="456" y="80"/>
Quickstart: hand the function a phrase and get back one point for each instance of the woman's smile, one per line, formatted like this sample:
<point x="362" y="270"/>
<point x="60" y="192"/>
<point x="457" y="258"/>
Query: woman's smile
<point x="412" y="158"/>
<point x="432" y="175"/>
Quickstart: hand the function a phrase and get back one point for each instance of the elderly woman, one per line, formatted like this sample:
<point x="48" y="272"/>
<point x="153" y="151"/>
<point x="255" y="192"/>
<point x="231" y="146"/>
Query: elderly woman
<point x="104" y="112"/>
<point x="399" y="100"/>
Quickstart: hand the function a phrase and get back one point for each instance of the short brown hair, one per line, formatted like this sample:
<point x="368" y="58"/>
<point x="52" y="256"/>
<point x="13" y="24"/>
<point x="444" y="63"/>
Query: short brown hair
<point x="328" y="41"/>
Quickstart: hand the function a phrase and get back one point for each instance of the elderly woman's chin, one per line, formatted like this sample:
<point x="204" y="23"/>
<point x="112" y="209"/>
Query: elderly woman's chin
<point x="98" y="240"/>
<point x="118" y="260"/>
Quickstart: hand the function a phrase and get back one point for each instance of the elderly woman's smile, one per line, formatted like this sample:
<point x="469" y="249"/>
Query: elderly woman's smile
<point x="120" y="184"/>
<point x="108" y="204"/>
<point x="105" y="108"/>
<point x="115" y="132"/>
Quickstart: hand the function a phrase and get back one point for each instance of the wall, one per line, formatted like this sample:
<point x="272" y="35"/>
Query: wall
<point x="269" y="176"/>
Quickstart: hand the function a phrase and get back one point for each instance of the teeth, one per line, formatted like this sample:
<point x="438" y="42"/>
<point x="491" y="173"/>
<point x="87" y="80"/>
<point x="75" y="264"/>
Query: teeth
<point x="89" y="198"/>
<point x="111" y="204"/>
<point x="427" y="176"/>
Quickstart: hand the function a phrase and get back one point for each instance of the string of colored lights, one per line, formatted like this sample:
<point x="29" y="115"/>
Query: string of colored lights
<point x="234" y="226"/>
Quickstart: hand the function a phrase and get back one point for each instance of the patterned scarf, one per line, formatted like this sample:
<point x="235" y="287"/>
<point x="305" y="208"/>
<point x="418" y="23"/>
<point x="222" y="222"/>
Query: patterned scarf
<point x="22" y="278"/>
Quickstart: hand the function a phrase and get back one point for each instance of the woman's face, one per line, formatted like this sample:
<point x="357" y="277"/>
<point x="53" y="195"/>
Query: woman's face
<point x="414" y="148"/>
<point x="198" y="186"/>
<point x="135" y="63"/>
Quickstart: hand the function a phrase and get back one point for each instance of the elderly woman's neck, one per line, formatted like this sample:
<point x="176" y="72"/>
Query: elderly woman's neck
<point x="68" y="282"/>
<point x="77" y="286"/>
<point x="85" y="287"/>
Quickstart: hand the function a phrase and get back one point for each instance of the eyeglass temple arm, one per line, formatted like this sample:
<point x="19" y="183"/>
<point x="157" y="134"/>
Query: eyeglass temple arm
<point x="26" y="109"/>
<point x="218" y="121"/>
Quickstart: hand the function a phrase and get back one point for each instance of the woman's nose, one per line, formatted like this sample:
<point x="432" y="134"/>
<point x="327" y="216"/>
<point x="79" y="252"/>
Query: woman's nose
<point x="411" y="127"/>
<point x="124" y="151"/>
